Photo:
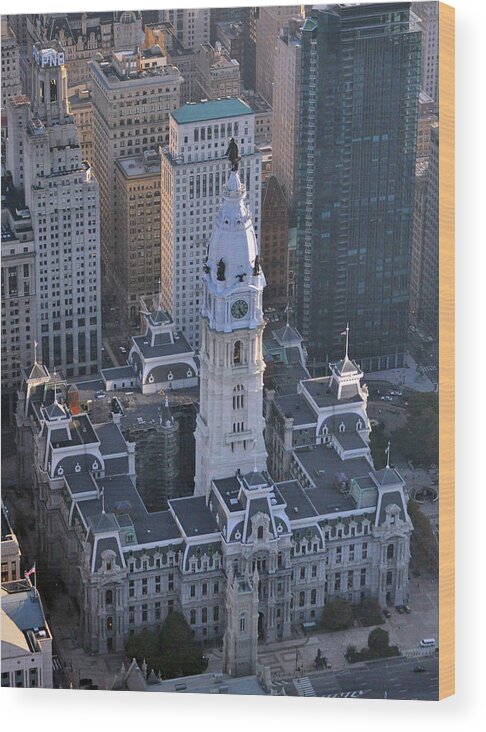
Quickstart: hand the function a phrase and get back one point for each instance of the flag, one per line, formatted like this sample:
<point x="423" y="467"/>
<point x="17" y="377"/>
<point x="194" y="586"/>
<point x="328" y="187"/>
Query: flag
<point x="31" y="571"/>
<point x="344" y="332"/>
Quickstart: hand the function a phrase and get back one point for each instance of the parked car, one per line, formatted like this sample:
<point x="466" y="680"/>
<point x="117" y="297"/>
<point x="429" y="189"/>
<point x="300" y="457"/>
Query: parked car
<point x="419" y="669"/>
<point x="407" y="609"/>
<point x="122" y="349"/>
<point x="386" y="613"/>
<point x="399" y="609"/>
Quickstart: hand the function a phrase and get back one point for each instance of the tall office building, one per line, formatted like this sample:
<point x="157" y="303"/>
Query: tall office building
<point x="62" y="197"/>
<point x="137" y="231"/>
<point x="268" y="26"/>
<point x="19" y="301"/>
<point x="217" y="74"/>
<point x="427" y="313"/>
<point x="358" y="122"/>
<point x="11" y="86"/>
<point x="275" y="244"/>
<point x="191" y="25"/>
<point x="193" y="172"/>
<point x="428" y="12"/>
<point x="164" y="35"/>
<point x="286" y="108"/>
<point x="133" y="93"/>
<point x="82" y="35"/>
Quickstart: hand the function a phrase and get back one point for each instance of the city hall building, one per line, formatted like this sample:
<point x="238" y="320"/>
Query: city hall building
<point x="262" y="544"/>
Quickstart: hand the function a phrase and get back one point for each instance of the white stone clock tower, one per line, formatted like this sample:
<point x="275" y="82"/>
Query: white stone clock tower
<point x="229" y="427"/>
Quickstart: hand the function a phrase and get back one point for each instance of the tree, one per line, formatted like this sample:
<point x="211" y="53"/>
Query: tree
<point x="337" y="615"/>
<point x="368" y="612"/>
<point x="423" y="545"/>
<point x="378" y="642"/>
<point x="172" y="651"/>
<point x="418" y="439"/>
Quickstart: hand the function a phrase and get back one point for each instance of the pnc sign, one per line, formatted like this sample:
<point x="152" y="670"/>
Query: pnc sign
<point x="48" y="57"/>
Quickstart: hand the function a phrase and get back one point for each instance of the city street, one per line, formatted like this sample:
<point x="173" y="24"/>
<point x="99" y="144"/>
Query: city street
<point x="393" y="678"/>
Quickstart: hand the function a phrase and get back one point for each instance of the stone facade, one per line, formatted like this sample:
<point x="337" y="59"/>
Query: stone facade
<point x="247" y="557"/>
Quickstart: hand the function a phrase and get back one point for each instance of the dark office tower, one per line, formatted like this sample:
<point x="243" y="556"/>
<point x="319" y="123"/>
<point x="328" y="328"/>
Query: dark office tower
<point x="358" y="119"/>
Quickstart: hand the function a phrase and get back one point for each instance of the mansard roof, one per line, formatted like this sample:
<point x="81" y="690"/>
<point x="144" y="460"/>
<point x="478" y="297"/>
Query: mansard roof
<point x="193" y="515"/>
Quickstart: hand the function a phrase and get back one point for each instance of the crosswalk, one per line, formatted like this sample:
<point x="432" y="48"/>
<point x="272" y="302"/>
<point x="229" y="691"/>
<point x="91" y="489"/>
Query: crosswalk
<point x="56" y="664"/>
<point x="304" y="687"/>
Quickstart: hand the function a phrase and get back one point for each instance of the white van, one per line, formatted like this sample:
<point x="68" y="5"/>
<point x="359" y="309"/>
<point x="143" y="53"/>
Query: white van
<point x="427" y="642"/>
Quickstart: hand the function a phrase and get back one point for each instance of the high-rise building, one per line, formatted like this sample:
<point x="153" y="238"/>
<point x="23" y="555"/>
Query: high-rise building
<point x="275" y="244"/>
<point x="268" y="26"/>
<point x="19" y="300"/>
<point x="217" y="74"/>
<point x="11" y="86"/>
<point x="286" y="108"/>
<point x="358" y="128"/>
<point x="191" y="25"/>
<point x="428" y="12"/>
<point x="133" y="93"/>
<point x="137" y="231"/>
<point x="63" y="199"/>
<point x="232" y="37"/>
<point x="81" y="109"/>
<point x="193" y="170"/>
<point x="425" y="263"/>
<point x="164" y="35"/>
<point x="82" y="35"/>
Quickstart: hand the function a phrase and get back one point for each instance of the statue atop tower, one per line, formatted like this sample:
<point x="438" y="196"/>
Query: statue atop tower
<point x="229" y="427"/>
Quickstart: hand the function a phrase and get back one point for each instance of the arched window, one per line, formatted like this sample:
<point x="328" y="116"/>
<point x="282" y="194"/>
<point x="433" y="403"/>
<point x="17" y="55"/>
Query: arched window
<point x="390" y="551"/>
<point x="109" y="597"/>
<point x="238" y="353"/>
<point x="342" y="427"/>
<point x="242" y="622"/>
<point x="260" y="532"/>
<point x="359" y="425"/>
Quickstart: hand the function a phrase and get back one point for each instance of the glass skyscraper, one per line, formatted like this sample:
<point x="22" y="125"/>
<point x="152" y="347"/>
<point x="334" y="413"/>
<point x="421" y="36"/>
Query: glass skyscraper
<point x="359" y="107"/>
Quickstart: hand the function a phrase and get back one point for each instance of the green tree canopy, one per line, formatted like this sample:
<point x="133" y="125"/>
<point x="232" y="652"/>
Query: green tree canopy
<point x="172" y="650"/>
<point x="423" y="545"/>
<point x="337" y="615"/>
<point x="418" y="439"/>
<point x="378" y="641"/>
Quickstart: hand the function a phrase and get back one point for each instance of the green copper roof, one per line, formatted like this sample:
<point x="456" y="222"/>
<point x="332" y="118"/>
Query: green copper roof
<point x="216" y="109"/>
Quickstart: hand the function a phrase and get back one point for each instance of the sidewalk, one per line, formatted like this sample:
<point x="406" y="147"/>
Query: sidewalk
<point x="408" y="377"/>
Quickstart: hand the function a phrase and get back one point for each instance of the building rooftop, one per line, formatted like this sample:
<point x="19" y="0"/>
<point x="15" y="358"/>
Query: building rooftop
<point x="294" y="405"/>
<point x="325" y="468"/>
<point x="193" y="515"/>
<point x="205" y="111"/>
<point x="319" y="390"/>
<point x="136" y="166"/>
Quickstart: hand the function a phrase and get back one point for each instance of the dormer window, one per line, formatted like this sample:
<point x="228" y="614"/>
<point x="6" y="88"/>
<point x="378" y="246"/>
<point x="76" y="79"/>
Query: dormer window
<point x="359" y="425"/>
<point x="342" y="427"/>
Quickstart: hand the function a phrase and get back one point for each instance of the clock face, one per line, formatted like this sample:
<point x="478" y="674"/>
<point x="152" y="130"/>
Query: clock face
<point x="239" y="309"/>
